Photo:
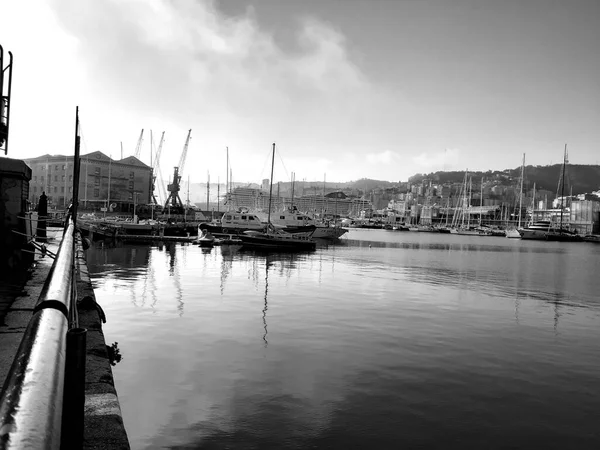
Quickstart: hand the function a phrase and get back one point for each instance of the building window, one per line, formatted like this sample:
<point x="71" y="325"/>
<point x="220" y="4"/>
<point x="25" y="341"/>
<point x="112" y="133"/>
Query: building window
<point x="131" y="175"/>
<point x="35" y="189"/>
<point x="56" y="167"/>
<point x="131" y="185"/>
<point x="42" y="178"/>
<point x="62" y="189"/>
<point x="131" y="196"/>
<point x="55" y="189"/>
<point x="96" y="192"/>
<point x="63" y="178"/>
<point x="97" y="170"/>
<point x="97" y="181"/>
<point x="70" y="190"/>
<point x="35" y="178"/>
<point x="70" y="177"/>
<point x="64" y="167"/>
<point x="55" y="177"/>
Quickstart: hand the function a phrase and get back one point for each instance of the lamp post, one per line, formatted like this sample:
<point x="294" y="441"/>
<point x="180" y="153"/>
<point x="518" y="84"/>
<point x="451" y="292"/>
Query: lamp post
<point x="135" y="195"/>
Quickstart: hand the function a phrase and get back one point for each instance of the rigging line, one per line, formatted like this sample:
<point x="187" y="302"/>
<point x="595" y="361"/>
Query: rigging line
<point x="267" y="160"/>
<point x="284" y="168"/>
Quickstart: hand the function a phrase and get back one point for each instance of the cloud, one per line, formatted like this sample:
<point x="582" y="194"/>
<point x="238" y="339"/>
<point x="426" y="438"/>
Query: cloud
<point x="446" y="160"/>
<point x="187" y="58"/>
<point x="385" y="157"/>
<point x="178" y="65"/>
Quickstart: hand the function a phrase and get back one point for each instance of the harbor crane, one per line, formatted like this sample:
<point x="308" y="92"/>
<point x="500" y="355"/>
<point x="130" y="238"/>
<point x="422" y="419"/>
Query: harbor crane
<point x="174" y="187"/>
<point x="156" y="171"/>
<point x="138" y="147"/>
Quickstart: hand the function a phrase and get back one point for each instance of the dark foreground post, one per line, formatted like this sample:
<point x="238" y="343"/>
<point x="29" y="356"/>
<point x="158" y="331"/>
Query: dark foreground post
<point x="74" y="391"/>
<point x="42" y="216"/>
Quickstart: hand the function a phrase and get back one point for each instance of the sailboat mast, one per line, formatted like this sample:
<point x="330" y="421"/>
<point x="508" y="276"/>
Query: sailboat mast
<point x="533" y="203"/>
<point x="469" y="204"/>
<point x="562" y="193"/>
<point x="207" y="190"/>
<point x="293" y="180"/>
<point x="271" y="186"/>
<point x="521" y="190"/>
<point x="481" y="203"/>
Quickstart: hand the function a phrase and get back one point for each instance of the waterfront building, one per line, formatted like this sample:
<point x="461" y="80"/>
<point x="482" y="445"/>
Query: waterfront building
<point x="103" y="182"/>
<point x="584" y="217"/>
<point x="336" y="203"/>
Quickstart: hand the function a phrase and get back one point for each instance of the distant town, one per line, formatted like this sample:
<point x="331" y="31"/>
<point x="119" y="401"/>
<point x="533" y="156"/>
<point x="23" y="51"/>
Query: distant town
<point x="119" y="186"/>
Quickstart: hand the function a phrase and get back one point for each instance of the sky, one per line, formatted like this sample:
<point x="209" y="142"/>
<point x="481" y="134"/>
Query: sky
<point x="349" y="89"/>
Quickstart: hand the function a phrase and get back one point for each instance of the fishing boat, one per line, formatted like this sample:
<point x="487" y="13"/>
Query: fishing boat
<point x="275" y="239"/>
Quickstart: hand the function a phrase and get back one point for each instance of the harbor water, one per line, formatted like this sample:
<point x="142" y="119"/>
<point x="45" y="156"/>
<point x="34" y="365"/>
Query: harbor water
<point x="386" y="340"/>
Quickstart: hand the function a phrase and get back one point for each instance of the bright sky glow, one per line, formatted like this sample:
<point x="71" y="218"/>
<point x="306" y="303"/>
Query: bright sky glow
<point x="364" y="88"/>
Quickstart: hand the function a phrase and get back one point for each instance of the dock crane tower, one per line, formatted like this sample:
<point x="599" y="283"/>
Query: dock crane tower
<point x="156" y="171"/>
<point x="175" y="186"/>
<point x="138" y="147"/>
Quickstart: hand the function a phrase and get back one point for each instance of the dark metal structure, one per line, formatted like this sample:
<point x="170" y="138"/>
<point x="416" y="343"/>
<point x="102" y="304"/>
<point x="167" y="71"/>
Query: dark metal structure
<point x="5" y="90"/>
<point x="175" y="185"/>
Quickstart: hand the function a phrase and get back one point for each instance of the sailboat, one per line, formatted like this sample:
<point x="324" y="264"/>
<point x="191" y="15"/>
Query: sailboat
<point x="515" y="233"/>
<point x="458" y="222"/>
<point x="273" y="238"/>
<point x="563" y="233"/>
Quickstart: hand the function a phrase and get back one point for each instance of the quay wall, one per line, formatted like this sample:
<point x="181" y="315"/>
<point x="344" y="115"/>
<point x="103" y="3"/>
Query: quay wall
<point x="104" y="428"/>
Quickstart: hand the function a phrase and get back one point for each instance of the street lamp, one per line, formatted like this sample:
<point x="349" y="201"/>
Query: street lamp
<point x="135" y="195"/>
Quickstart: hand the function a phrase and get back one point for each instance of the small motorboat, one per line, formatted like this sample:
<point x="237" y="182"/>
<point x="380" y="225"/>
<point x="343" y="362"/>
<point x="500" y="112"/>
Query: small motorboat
<point x="205" y="239"/>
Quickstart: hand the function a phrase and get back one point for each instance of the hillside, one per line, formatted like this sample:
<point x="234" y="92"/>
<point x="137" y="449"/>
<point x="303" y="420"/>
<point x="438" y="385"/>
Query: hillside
<point x="582" y="178"/>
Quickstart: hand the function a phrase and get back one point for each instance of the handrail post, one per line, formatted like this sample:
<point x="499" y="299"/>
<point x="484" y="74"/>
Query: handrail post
<point x="74" y="391"/>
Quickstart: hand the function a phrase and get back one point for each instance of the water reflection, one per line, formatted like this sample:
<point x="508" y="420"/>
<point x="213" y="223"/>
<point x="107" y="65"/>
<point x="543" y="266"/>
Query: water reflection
<point x="334" y="349"/>
<point x="452" y="246"/>
<point x="264" y="311"/>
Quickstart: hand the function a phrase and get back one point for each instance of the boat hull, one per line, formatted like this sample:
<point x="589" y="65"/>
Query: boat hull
<point x="329" y="232"/>
<point x="274" y="244"/>
<point x="537" y="235"/>
<point x="513" y="234"/>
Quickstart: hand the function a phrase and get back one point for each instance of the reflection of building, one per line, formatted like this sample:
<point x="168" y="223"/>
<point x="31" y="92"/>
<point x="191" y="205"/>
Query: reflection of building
<point x="54" y="175"/>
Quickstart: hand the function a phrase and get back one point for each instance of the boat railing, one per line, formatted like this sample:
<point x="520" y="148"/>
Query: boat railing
<point x="42" y="396"/>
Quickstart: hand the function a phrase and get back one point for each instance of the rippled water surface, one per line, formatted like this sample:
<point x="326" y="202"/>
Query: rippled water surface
<point x="386" y="340"/>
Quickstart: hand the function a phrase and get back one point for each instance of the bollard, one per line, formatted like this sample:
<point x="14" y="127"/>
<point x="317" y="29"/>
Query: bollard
<point x="74" y="391"/>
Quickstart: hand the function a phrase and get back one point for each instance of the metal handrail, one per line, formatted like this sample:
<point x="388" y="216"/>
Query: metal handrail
<point x="31" y="401"/>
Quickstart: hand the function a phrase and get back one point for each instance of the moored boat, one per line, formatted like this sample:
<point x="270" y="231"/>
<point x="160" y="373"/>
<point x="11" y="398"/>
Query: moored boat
<point x="205" y="238"/>
<point x="537" y="231"/>
<point x="274" y="238"/>
<point x="235" y="223"/>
